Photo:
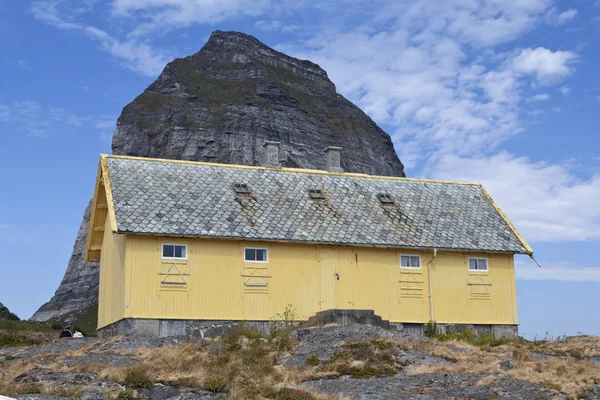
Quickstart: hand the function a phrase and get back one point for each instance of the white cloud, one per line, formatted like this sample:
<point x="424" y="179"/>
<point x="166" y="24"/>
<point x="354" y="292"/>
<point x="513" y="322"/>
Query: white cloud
<point x="174" y="14"/>
<point x="540" y="97"/>
<point x="544" y="64"/>
<point x="32" y="119"/>
<point x="553" y="17"/>
<point x="132" y="53"/>
<point x="565" y="90"/>
<point x="546" y="202"/>
<point x="274" y="25"/>
<point x="561" y="271"/>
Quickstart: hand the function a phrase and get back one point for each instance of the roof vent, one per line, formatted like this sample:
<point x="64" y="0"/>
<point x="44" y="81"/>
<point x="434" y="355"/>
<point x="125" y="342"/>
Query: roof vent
<point x="316" y="194"/>
<point x="272" y="154"/>
<point x="385" y="198"/>
<point x="334" y="157"/>
<point x="241" y="188"/>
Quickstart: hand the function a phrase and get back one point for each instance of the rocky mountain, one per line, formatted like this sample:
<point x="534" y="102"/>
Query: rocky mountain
<point x="221" y="105"/>
<point x="5" y="312"/>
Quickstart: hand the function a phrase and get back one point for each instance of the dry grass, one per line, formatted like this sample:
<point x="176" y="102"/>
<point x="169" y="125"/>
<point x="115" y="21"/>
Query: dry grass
<point x="569" y="372"/>
<point x="245" y="365"/>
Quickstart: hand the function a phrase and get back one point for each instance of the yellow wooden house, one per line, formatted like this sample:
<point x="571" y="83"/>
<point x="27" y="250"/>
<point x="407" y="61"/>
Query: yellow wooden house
<point x="186" y="247"/>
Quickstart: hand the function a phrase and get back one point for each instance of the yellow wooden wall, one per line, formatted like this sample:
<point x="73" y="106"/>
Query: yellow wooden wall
<point x="111" y="302"/>
<point x="304" y="276"/>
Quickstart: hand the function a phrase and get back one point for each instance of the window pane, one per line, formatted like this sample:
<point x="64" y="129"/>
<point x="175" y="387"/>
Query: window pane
<point x="404" y="261"/>
<point x="261" y="255"/>
<point x="414" y="262"/>
<point x="180" y="251"/>
<point x="168" y="250"/>
<point x="482" y="264"/>
<point x="472" y="264"/>
<point x="250" y="255"/>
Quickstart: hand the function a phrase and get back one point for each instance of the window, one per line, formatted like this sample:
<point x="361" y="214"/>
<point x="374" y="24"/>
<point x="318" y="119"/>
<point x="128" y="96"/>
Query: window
<point x="410" y="261"/>
<point x="385" y="198"/>
<point x="478" y="264"/>
<point x="315" y="194"/>
<point x="174" y="251"/>
<point x="241" y="188"/>
<point x="255" y="255"/>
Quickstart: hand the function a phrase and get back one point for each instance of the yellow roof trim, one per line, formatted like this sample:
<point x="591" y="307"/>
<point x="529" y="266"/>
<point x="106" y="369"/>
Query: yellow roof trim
<point x="88" y="242"/>
<point x="108" y="190"/>
<point x="512" y="227"/>
<point x="297" y="170"/>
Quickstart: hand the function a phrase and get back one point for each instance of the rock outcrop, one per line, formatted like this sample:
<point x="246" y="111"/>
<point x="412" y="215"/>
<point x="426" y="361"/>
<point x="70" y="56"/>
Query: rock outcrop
<point x="221" y="105"/>
<point x="5" y="312"/>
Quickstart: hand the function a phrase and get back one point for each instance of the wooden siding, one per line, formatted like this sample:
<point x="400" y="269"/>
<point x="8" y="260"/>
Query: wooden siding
<point x="215" y="283"/>
<point x="111" y="303"/>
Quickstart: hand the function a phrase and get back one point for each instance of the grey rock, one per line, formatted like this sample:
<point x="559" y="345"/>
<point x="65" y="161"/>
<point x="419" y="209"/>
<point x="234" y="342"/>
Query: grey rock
<point x="221" y="105"/>
<point x="4" y="312"/>
<point x="428" y="386"/>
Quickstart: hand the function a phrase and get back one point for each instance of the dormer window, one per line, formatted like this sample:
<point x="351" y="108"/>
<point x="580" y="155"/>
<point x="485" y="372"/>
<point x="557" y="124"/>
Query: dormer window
<point x="241" y="188"/>
<point x="385" y="199"/>
<point x="316" y="194"/>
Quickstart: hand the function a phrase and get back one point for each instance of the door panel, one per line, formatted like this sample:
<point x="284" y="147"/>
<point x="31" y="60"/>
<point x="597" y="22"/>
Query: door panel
<point x="327" y="261"/>
<point x="344" y="268"/>
<point x="337" y="278"/>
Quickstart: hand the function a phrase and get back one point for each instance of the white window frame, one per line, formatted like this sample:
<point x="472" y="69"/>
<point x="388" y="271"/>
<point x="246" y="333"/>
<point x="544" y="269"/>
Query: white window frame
<point x="487" y="264"/>
<point x="162" y="251"/>
<point x="410" y="255"/>
<point x="257" y="248"/>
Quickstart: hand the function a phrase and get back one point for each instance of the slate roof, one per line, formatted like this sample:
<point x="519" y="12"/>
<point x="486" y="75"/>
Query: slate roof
<point x="170" y="198"/>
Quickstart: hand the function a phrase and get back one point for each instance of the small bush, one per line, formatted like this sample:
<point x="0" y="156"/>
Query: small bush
<point x="235" y="334"/>
<point x="137" y="377"/>
<point x="126" y="394"/>
<point x="294" y="394"/>
<point x="313" y="361"/>
<point x="282" y="327"/>
<point x="57" y="326"/>
<point x="30" y="388"/>
<point x="431" y="329"/>
<point x="214" y="385"/>
<point x="13" y="317"/>
<point x="12" y="340"/>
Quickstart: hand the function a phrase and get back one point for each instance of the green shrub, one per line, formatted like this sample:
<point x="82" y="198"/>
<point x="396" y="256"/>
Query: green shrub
<point x="137" y="377"/>
<point x="13" y="340"/>
<point x="431" y="330"/>
<point x="214" y="385"/>
<point x="282" y="327"/>
<point x="30" y="388"/>
<point x="13" y="317"/>
<point x="235" y="334"/>
<point x="126" y="394"/>
<point x="57" y="326"/>
<point x="313" y="361"/>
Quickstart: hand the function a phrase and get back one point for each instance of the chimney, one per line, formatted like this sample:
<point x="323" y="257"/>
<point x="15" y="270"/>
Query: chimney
<point x="272" y="154"/>
<point x="334" y="155"/>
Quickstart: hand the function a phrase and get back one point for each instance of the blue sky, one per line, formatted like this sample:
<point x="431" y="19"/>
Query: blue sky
<point x="502" y="92"/>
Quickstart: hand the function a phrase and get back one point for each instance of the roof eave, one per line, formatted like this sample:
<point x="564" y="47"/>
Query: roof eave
<point x="369" y="245"/>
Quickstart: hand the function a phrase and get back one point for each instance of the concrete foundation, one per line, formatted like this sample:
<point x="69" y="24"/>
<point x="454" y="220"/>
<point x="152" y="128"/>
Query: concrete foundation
<point x="203" y="328"/>
<point x="174" y="327"/>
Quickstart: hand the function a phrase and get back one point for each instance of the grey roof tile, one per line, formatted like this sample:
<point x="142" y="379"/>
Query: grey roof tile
<point x="195" y="199"/>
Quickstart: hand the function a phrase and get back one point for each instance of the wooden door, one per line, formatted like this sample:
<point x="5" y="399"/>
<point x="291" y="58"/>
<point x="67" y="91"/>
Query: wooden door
<point x="327" y="261"/>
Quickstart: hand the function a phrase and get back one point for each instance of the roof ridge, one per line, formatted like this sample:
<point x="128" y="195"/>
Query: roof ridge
<point x="292" y="170"/>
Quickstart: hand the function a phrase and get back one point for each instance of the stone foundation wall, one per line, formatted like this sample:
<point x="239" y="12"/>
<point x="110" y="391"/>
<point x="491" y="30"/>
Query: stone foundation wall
<point x="200" y="328"/>
<point x="175" y="327"/>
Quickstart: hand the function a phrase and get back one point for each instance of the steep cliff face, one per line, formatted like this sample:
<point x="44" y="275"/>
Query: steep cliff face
<point x="221" y="105"/>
